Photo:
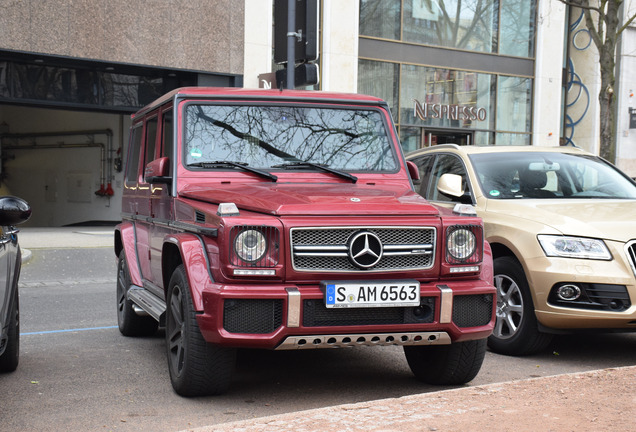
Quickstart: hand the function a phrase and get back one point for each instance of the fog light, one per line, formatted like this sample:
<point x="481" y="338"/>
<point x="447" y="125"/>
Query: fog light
<point x="616" y="305"/>
<point x="568" y="292"/>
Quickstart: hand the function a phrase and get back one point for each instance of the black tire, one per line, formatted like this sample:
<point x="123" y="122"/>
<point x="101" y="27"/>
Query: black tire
<point x="130" y="324"/>
<point x="516" y="331"/>
<point x="10" y="358"/>
<point x="453" y="364"/>
<point x="197" y="368"/>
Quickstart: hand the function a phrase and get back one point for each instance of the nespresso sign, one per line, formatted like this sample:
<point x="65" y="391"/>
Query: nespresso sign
<point x="427" y="111"/>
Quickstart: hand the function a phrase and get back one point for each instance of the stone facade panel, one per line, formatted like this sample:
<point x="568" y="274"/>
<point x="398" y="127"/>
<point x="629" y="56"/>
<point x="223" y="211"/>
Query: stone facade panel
<point x="194" y="34"/>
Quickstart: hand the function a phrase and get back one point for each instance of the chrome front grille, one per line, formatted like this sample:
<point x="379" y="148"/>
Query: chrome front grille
<point x="630" y="250"/>
<point x="326" y="249"/>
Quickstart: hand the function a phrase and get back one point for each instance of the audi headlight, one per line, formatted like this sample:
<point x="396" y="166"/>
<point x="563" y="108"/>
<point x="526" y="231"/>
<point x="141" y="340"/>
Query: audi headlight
<point x="250" y="245"/>
<point x="462" y="244"/>
<point x="574" y="247"/>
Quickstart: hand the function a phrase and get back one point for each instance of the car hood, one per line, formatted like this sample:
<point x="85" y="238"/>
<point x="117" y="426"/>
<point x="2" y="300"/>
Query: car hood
<point x="315" y="199"/>
<point x="611" y="219"/>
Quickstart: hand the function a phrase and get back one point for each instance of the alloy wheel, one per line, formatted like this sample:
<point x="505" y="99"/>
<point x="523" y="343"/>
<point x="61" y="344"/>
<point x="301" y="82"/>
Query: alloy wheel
<point x="121" y="288"/>
<point x="176" y="331"/>
<point x="509" y="307"/>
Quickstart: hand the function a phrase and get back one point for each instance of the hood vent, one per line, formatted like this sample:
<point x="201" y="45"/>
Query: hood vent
<point x="199" y="217"/>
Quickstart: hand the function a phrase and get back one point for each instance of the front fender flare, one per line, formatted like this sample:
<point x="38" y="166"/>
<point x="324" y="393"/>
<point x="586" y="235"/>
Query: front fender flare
<point x="195" y="262"/>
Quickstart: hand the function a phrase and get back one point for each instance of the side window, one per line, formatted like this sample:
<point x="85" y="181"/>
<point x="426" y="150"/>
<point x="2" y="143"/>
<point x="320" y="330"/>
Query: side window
<point x="445" y="164"/>
<point x="151" y="139"/>
<point x="134" y="152"/>
<point x="424" y="165"/>
<point x="167" y="135"/>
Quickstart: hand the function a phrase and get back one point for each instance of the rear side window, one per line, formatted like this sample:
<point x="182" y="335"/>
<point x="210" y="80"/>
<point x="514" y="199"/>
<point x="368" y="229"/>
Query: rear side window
<point x="134" y="152"/>
<point x="151" y="139"/>
<point x="425" y="166"/>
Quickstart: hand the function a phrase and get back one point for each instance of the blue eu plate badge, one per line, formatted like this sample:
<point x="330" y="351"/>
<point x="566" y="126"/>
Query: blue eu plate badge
<point x="330" y="294"/>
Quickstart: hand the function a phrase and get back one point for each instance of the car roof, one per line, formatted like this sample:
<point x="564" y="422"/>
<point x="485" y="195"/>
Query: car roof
<point x="468" y="150"/>
<point x="261" y="94"/>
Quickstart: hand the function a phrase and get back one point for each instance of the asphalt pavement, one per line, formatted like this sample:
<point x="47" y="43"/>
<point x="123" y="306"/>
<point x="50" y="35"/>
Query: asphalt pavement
<point x="516" y="405"/>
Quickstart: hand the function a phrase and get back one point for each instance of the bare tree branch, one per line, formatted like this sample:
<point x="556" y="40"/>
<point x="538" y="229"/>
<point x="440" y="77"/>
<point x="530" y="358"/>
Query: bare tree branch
<point x="627" y="24"/>
<point x="596" y="32"/>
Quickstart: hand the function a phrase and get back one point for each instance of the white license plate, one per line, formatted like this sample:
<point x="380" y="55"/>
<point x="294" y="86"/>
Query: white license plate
<point x="348" y="294"/>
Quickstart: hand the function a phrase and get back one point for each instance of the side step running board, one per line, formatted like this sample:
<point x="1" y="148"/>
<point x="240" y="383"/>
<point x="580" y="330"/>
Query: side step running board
<point x="150" y="303"/>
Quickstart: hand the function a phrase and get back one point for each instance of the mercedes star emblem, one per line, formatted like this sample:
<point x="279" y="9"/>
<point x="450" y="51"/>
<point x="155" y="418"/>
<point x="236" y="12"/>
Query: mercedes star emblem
<point x="365" y="249"/>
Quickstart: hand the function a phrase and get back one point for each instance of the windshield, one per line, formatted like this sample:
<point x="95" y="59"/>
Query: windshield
<point x="272" y="136"/>
<point x="549" y="175"/>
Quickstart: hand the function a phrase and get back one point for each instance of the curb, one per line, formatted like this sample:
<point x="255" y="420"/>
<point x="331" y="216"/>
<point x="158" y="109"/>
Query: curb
<point x="26" y="255"/>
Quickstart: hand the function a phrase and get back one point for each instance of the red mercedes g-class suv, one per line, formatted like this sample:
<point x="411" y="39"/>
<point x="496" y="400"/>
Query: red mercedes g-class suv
<point x="287" y="220"/>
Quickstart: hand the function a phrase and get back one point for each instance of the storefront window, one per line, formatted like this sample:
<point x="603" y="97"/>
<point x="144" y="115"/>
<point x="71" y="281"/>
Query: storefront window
<point x="380" y="18"/>
<point x="517" y="28"/>
<point x="443" y="98"/>
<point x="514" y="104"/>
<point x="463" y="24"/>
<point x="410" y="138"/>
<point x="83" y="87"/>
<point x="489" y="26"/>
<point x="437" y="105"/>
<point x="445" y="102"/>
<point x="380" y="79"/>
<point x="484" y="138"/>
<point x="513" y="139"/>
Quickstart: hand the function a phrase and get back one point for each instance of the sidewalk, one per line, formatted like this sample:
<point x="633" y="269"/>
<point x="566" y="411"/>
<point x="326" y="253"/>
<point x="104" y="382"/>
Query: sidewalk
<point x="603" y="400"/>
<point x="64" y="237"/>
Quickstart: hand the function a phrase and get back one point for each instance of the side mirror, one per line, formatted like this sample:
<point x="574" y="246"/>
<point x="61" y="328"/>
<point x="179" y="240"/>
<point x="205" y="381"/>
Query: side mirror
<point x="13" y="211"/>
<point x="451" y="186"/>
<point x="414" y="172"/>
<point x="158" y="171"/>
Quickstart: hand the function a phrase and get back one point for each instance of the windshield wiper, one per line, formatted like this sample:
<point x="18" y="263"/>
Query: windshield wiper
<point x="241" y="165"/>
<point x="339" y="173"/>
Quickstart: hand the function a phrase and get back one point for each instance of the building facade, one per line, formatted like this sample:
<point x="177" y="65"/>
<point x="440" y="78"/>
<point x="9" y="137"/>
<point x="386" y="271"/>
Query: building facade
<point x="472" y="72"/>
<point x="491" y="72"/>
<point x="626" y="116"/>
<point x="475" y="72"/>
<point x="72" y="72"/>
<point x="583" y="84"/>
<point x="463" y="75"/>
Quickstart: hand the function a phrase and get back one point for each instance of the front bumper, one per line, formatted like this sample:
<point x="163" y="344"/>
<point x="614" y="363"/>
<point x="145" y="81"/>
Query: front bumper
<point x="611" y="286"/>
<point x="295" y="317"/>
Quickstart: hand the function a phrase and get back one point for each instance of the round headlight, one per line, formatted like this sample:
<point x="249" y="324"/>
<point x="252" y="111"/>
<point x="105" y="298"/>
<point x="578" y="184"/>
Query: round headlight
<point x="461" y="244"/>
<point x="250" y="245"/>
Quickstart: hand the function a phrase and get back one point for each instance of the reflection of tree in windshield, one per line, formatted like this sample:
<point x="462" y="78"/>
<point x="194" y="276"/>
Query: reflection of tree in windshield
<point x="263" y="136"/>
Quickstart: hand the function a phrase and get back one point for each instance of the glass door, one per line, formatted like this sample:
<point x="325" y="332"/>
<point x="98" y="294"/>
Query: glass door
<point x="432" y="137"/>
